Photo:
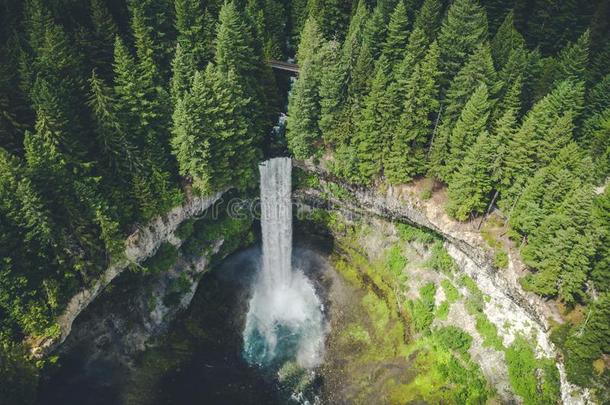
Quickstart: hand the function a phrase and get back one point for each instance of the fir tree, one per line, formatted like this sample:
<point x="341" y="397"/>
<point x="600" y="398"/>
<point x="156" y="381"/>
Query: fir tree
<point x="428" y="18"/>
<point x="601" y="260"/>
<point x="408" y="147"/>
<point x="183" y="72"/>
<point x="104" y="30"/>
<point x="573" y="60"/>
<point x="193" y="132"/>
<point x="472" y="122"/>
<point x="506" y="41"/>
<point x="470" y="186"/>
<point x="563" y="269"/>
<point x="311" y="41"/>
<point x="304" y="106"/>
<point x="464" y="27"/>
<point x="397" y="36"/>
<point x="372" y="133"/>
<point x="478" y="70"/>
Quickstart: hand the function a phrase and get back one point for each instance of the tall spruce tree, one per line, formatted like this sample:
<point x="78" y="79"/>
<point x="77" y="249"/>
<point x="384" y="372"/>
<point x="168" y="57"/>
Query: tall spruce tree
<point x="397" y="36"/>
<point x="407" y="154"/>
<point x="427" y="18"/>
<point x="472" y="122"/>
<point x="303" y="129"/>
<point x="471" y="185"/>
<point x="464" y="27"/>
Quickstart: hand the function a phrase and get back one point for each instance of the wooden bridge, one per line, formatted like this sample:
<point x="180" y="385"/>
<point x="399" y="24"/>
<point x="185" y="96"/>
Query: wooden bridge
<point x="285" y="66"/>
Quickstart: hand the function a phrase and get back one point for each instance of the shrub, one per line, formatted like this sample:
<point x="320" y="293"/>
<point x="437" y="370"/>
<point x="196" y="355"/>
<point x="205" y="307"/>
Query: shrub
<point x="501" y="259"/>
<point x="451" y="293"/>
<point x="535" y="381"/>
<point x="185" y="230"/>
<point x="440" y="260"/>
<point x="443" y="310"/>
<point x="166" y="256"/>
<point x="410" y="233"/>
<point x="177" y="289"/>
<point x="395" y="261"/>
<point x="453" y="338"/>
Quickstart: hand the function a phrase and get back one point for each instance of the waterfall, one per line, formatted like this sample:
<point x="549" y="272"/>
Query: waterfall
<point x="276" y="220"/>
<point x="284" y="320"/>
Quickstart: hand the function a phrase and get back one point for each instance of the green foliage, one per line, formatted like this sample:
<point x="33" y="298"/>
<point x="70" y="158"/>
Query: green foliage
<point x="19" y="375"/>
<point x="163" y="260"/>
<point x="536" y="381"/>
<point x="422" y="309"/>
<point x="185" y="229"/>
<point x="453" y="338"/>
<point x="395" y="261"/>
<point x="410" y="233"/>
<point x="451" y="293"/>
<point x="501" y="259"/>
<point x="440" y="260"/>
<point x="464" y="27"/>
<point x="177" y="289"/>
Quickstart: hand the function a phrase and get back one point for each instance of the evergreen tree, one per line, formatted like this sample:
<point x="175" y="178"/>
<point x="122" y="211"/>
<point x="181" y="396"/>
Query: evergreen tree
<point x="506" y="40"/>
<point x="548" y="188"/>
<point x="112" y="141"/>
<point x="311" y="41"/>
<point x="105" y="31"/>
<point x="407" y="152"/>
<point x="332" y="89"/>
<point x="183" y="73"/>
<point x="563" y="269"/>
<point x="376" y="27"/>
<point x="238" y="49"/>
<point x="371" y="137"/>
<point x="573" y="60"/>
<point x="428" y="17"/>
<point x="525" y="154"/>
<point x="479" y="69"/>
<point x="601" y="260"/>
<point x="304" y="106"/>
<point x="194" y="36"/>
<point x="397" y="36"/>
<point x="470" y="186"/>
<point x="464" y="27"/>
<point x="472" y="122"/>
<point x="193" y="132"/>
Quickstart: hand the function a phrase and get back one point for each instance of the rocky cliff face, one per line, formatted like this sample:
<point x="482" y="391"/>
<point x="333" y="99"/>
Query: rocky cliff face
<point x="139" y="246"/>
<point x="525" y="312"/>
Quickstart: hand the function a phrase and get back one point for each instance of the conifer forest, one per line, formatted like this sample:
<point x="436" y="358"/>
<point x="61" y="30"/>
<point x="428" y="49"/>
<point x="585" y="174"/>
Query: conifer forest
<point x="115" y="112"/>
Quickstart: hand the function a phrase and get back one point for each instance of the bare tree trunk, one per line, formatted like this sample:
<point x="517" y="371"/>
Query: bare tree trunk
<point x="493" y="200"/>
<point x="438" y="117"/>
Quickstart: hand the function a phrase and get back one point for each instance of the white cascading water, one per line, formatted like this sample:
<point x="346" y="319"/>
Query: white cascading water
<point x="284" y="320"/>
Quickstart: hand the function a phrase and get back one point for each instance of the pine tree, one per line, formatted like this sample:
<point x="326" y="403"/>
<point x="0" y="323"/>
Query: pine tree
<point x="104" y="30"/>
<point x="371" y="137"/>
<point x="193" y="37"/>
<point x="376" y="27"/>
<point x="332" y="89"/>
<point x="311" y="41"/>
<point x="237" y="48"/>
<point x="524" y="154"/>
<point x="193" y="132"/>
<point x="601" y="217"/>
<point x="304" y="106"/>
<point x="506" y="41"/>
<point x="562" y="269"/>
<point x="478" y="69"/>
<point x="111" y="139"/>
<point x="470" y="186"/>
<point x="428" y="18"/>
<point x="464" y="27"/>
<point x="548" y="188"/>
<point x="472" y="122"/>
<point x="183" y="73"/>
<point x="397" y="36"/>
<point x="573" y="60"/>
<point x="408" y="147"/>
